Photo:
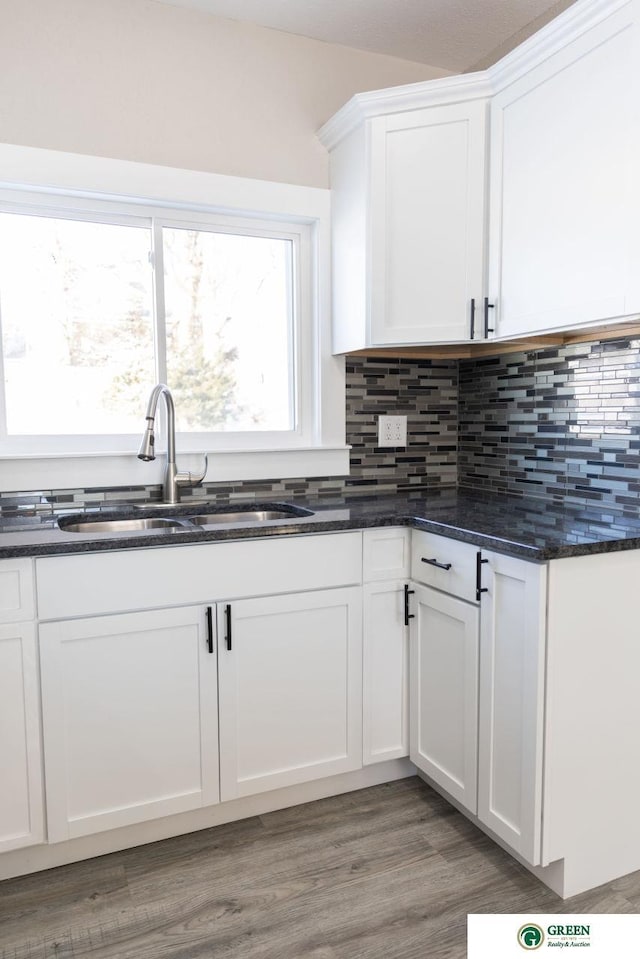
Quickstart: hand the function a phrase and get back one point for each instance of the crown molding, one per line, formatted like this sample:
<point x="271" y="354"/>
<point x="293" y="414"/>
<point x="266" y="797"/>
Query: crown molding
<point x="411" y="96"/>
<point x="569" y="25"/>
<point x="566" y="27"/>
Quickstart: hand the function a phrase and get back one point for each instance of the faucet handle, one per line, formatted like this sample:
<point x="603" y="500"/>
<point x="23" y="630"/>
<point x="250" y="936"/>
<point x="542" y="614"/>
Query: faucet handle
<point x="189" y="479"/>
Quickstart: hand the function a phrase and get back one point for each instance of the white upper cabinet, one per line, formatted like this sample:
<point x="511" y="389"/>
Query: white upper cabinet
<point x="531" y="223"/>
<point x="427" y="215"/>
<point x="408" y="216"/>
<point x="564" y="238"/>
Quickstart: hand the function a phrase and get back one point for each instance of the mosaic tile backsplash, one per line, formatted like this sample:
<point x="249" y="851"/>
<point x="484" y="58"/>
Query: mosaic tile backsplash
<point x="562" y="423"/>
<point x="427" y="392"/>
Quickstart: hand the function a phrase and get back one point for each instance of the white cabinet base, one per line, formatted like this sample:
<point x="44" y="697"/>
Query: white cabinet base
<point x="23" y="861"/>
<point x="510" y="764"/>
<point x="130" y="719"/>
<point x="385" y="673"/>
<point x="443" y="684"/>
<point x="21" y="802"/>
<point x="290" y="689"/>
<point x="592" y="774"/>
<point x="552" y="875"/>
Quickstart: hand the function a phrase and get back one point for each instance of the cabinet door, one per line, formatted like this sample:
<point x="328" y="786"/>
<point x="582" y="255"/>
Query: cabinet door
<point x="443" y="732"/>
<point x="512" y="701"/>
<point x="385" y="673"/>
<point x="21" y="800"/>
<point x="427" y="223"/>
<point x="564" y="239"/>
<point x="130" y="719"/>
<point x="290" y="689"/>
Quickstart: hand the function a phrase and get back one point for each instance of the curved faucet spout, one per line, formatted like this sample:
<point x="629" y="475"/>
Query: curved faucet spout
<point x="147" y="448"/>
<point x="160" y="390"/>
<point x="173" y="479"/>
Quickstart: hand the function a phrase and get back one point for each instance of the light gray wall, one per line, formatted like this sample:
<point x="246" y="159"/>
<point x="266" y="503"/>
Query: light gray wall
<point x="141" y="80"/>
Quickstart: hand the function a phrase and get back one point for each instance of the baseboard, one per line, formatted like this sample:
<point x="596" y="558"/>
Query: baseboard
<point x="20" y="862"/>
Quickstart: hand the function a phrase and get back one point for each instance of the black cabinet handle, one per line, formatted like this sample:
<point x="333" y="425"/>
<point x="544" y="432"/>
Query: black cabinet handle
<point x="227" y="616"/>
<point x="209" y="629"/>
<point x="479" y="588"/>
<point x="472" y="317"/>
<point x="407" y="615"/>
<point x="434" y="562"/>
<point x="488" y="306"/>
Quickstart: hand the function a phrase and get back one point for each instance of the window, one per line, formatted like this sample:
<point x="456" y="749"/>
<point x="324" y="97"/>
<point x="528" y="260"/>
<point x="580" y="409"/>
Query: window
<point x="117" y="275"/>
<point x="229" y="329"/>
<point x="95" y="311"/>
<point x="76" y="310"/>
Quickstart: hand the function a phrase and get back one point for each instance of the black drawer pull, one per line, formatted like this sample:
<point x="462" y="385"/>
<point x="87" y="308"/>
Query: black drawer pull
<point x="488" y="306"/>
<point x="472" y="319"/>
<point x="209" y="629"/>
<point x="434" y="562"/>
<point x="407" y="615"/>
<point x="227" y="616"/>
<point x="480" y="589"/>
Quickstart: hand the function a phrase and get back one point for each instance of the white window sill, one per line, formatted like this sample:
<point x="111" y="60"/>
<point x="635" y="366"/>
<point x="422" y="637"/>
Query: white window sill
<point x="73" y="471"/>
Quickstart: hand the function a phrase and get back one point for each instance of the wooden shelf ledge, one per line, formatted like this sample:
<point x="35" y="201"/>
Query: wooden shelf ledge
<point x="478" y="348"/>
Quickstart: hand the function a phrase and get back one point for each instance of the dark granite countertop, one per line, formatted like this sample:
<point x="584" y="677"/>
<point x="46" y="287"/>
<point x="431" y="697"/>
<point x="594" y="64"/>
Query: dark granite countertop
<point x="529" y="528"/>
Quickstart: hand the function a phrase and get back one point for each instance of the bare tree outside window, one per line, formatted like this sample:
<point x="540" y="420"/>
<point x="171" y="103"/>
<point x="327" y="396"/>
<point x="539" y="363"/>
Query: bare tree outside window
<point x="77" y="297"/>
<point x="201" y="367"/>
<point x="228" y="320"/>
<point x="77" y="318"/>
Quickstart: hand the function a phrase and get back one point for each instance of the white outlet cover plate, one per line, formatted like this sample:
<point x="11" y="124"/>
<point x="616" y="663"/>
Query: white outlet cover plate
<point x="392" y="431"/>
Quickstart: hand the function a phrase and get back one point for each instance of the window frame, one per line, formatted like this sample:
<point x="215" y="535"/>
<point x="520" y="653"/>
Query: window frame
<point x="39" y="181"/>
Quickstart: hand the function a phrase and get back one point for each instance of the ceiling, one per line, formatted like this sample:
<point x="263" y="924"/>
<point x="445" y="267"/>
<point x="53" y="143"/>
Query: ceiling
<point x="456" y="35"/>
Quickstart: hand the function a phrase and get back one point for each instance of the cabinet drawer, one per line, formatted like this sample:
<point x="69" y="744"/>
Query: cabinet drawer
<point x="181" y="575"/>
<point x="16" y="590"/>
<point x="427" y="549"/>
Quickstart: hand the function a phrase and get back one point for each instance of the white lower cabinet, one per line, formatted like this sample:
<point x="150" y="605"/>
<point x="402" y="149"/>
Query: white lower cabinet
<point x="21" y="815"/>
<point x="290" y="689"/>
<point x="130" y="696"/>
<point x="159" y="711"/>
<point x="130" y="719"/>
<point x="385" y="672"/>
<point x="152" y="712"/>
<point x="130" y="705"/>
<point x="460" y="657"/>
<point x="444" y="691"/>
<point x="477" y="684"/>
<point x="385" y="650"/>
<point x="512" y="664"/>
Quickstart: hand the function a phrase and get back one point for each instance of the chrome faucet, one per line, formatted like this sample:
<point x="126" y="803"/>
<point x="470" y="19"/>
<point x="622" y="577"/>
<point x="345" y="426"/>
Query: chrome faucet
<point x="173" y="479"/>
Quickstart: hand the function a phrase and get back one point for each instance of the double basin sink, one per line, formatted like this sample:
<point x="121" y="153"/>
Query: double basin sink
<point x="171" y="520"/>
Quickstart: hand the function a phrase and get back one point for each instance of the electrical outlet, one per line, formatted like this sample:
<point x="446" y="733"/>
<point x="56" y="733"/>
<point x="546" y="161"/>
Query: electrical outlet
<point x="392" y="431"/>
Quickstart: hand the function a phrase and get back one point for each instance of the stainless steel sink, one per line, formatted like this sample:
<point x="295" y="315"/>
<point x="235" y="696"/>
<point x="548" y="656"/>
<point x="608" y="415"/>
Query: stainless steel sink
<point x="174" y="521"/>
<point x="120" y="525"/>
<point x="246" y="516"/>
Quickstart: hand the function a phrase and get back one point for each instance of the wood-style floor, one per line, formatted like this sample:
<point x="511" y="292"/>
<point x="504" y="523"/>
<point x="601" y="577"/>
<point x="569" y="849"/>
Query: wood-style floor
<point x="388" y="872"/>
